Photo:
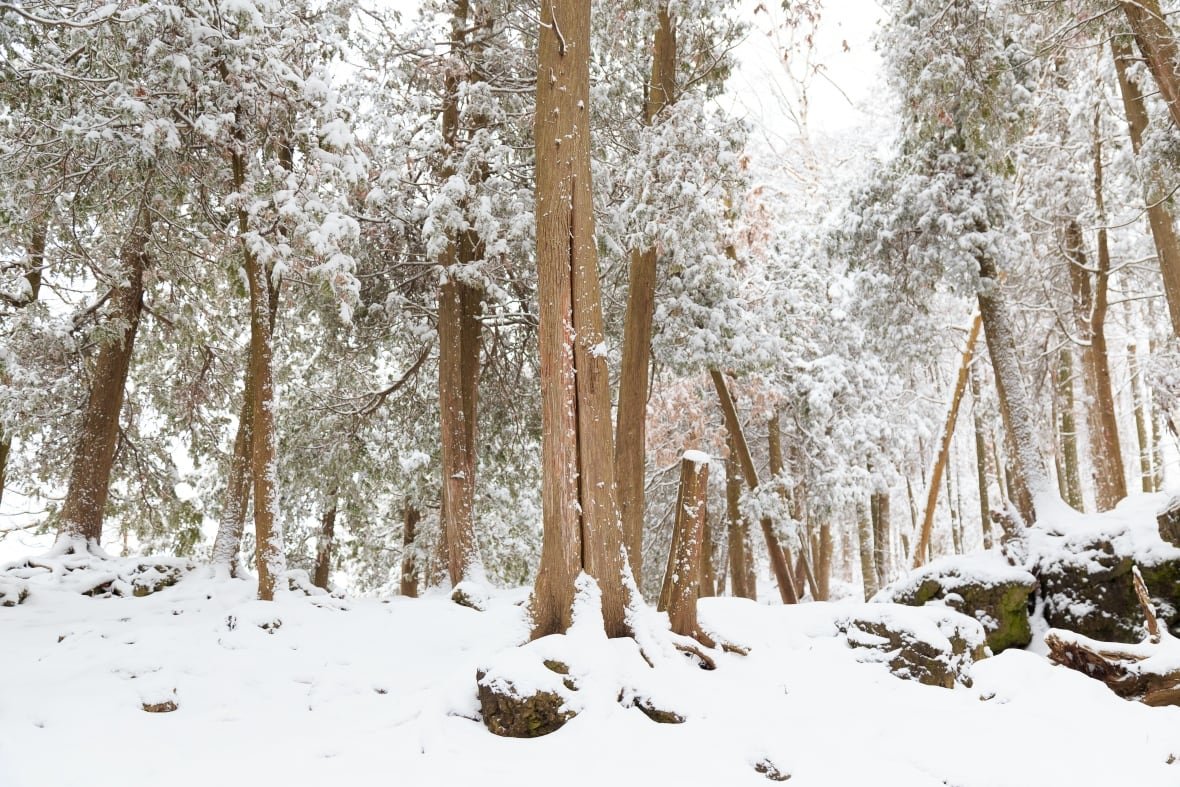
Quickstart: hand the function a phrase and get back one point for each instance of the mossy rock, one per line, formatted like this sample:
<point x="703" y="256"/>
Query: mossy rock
<point x="512" y="714"/>
<point x="981" y="586"/>
<point x="1090" y="591"/>
<point x="935" y="648"/>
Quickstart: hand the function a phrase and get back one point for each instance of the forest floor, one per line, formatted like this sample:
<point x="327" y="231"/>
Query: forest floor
<point x="348" y="690"/>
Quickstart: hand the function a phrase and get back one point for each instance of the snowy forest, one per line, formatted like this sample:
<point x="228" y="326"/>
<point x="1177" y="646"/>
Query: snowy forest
<point x="692" y="391"/>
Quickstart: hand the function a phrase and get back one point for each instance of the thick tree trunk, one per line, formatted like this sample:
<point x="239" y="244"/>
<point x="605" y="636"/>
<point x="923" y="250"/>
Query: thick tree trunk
<point x="408" y="585"/>
<point x="1159" y="213"/>
<point x="582" y="530"/>
<point x="864" y="532"/>
<point x="1158" y="45"/>
<point x="948" y="432"/>
<point x="1028" y="479"/>
<point x="94" y="452"/>
<point x="631" y="429"/>
<point x="778" y="562"/>
<point x="324" y="544"/>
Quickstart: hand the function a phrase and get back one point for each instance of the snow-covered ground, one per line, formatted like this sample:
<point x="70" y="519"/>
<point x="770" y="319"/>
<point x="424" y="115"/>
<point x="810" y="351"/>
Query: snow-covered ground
<point x="363" y="691"/>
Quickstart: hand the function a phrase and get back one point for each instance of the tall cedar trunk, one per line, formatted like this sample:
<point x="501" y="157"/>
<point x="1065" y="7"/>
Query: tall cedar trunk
<point x="922" y="548"/>
<point x="778" y="562"/>
<point x="458" y="361"/>
<point x="408" y="585"/>
<point x="94" y="451"/>
<point x="736" y="527"/>
<point x="680" y="597"/>
<point x="631" y="429"/>
<point x="823" y="574"/>
<point x="881" y="536"/>
<point x="582" y="530"/>
<point x="323" y="547"/>
<point x="36" y="264"/>
<point x="864" y="532"/>
<point x="1028" y="479"/>
<point x="1159" y="214"/>
<point x="1156" y="42"/>
<point x="1112" y="481"/>
<point x="985" y="520"/>
<point x="1146" y="471"/>
<point x="228" y="541"/>
<point x="1071" y="476"/>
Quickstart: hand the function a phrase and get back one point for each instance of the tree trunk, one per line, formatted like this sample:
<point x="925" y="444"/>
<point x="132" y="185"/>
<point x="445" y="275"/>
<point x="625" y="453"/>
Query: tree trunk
<point x="1156" y="42"/>
<point x="1159" y="213"/>
<point x="1146" y="471"/>
<point x="948" y="432"/>
<point x="823" y="578"/>
<point x="881" y="536"/>
<point x="1115" y="483"/>
<point x="324" y="544"/>
<point x="459" y="347"/>
<point x="631" y="429"/>
<point x="778" y="562"/>
<point x="682" y="575"/>
<point x="228" y="541"/>
<point x="1067" y="427"/>
<point x="952" y="509"/>
<point x="864" y="531"/>
<point x="985" y="520"/>
<point x="409" y="573"/>
<point x="777" y="466"/>
<point x="1028" y="479"/>
<point x="582" y="530"/>
<point x="708" y="572"/>
<point x="736" y="527"/>
<point x="94" y="452"/>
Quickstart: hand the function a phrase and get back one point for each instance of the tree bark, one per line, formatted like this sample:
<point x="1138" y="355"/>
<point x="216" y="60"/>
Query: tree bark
<point x="1116" y="481"/>
<point x="778" y="562"/>
<point x="408" y="585"/>
<point x="823" y="574"/>
<point x="736" y="528"/>
<point x="948" y="432"/>
<point x="631" y="428"/>
<point x="1158" y="45"/>
<point x="459" y="347"/>
<point x="582" y="530"/>
<point x="1067" y="427"/>
<point x="881" y="536"/>
<point x="1028" y="479"/>
<point x="324" y="544"/>
<point x="985" y="519"/>
<point x="708" y="585"/>
<point x="864" y="531"/>
<point x="1146" y="452"/>
<point x="94" y="451"/>
<point x="1159" y="214"/>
